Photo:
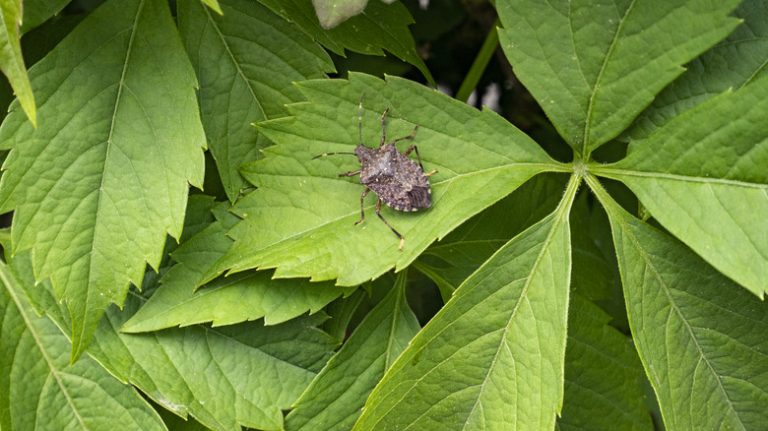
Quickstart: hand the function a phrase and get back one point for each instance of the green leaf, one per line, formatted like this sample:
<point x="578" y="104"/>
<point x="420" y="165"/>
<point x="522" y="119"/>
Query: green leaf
<point x="333" y="400"/>
<point x="340" y="313"/>
<point x="311" y="212"/>
<point x="37" y="12"/>
<point x="40" y="390"/>
<point x="700" y="337"/>
<point x="380" y="27"/>
<point x="226" y="377"/>
<point x="712" y="196"/>
<point x="503" y="332"/>
<point x="239" y="298"/>
<point x="449" y="262"/>
<point x="246" y="60"/>
<point x="99" y="184"/>
<point x="737" y="61"/>
<point x="169" y="366"/>
<point x="243" y="297"/>
<point x="11" y="61"/>
<point x="593" y="67"/>
<point x="603" y="376"/>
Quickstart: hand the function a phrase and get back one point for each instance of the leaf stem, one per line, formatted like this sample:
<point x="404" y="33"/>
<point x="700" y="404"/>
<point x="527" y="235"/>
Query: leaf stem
<point x="480" y="63"/>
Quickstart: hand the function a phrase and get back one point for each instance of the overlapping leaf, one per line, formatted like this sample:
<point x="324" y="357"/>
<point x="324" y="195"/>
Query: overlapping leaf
<point x="603" y="376"/>
<point x="226" y="378"/>
<point x="700" y="337"/>
<point x="492" y="358"/>
<point x="11" y="61"/>
<point x="38" y="11"/>
<point x="244" y="297"/>
<point x="736" y="61"/>
<point x="333" y="400"/>
<point x="703" y="176"/>
<point x="311" y="212"/>
<point x="99" y="184"/>
<point x="39" y="389"/>
<point x="594" y="66"/>
<point x="380" y="27"/>
<point x="246" y="61"/>
<point x="449" y="262"/>
<point x="242" y="375"/>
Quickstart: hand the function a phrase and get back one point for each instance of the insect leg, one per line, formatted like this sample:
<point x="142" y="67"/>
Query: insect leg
<point x="362" y="208"/>
<point x="350" y="173"/>
<point x="383" y="127"/>
<point x="378" y="213"/>
<point x="409" y="137"/>
<point x="413" y="147"/>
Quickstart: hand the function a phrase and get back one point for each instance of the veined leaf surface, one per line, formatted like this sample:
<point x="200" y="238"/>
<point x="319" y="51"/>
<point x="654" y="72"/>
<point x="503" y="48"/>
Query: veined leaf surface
<point x="603" y="375"/>
<point x="246" y="61"/>
<point x="98" y="185"/>
<point x="700" y="337"/>
<point x="492" y="358"/>
<point x="39" y="389"/>
<point x="703" y="176"/>
<point x="738" y="60"/>
<point x="244" y="297"/>
<point x="333" y="401"/>
<point x="593" y="66"/>
<point x="311" y="212"/>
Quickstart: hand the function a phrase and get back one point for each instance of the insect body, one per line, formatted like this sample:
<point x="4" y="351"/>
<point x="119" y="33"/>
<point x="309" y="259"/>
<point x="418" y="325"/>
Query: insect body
<point x="398" y="182"/>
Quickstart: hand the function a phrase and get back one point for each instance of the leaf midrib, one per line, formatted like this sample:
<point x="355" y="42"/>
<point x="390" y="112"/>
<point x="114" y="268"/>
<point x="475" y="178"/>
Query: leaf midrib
<point x="9" y="280"/>
<point x="617" y="173"/>
<point x="673" y="305"/>
<point x="235" y="63"/>
<point x="559" y="217"/>
<point x="595" y="88"/>
<point x="109" y="142"/>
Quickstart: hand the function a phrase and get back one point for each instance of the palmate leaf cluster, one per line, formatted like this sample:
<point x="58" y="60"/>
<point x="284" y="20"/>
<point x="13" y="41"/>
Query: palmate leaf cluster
<point x="620" y="289"/>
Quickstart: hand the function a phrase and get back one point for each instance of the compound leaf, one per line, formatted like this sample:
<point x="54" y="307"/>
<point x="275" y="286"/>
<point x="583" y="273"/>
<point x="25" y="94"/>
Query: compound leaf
<point x="738" y="60"/>
<point x="593" y="67"/>
<point x="40" y="389"/>
<point x="11" y="61"/>
<point x="503" y="332"/>
<point x="379" y="27"/>
<point x="714" y="197"/>
<point x="311" y="211"/>
<point x="333" y="401"/>
<point x="700" y="337"/>
<point x="603" y="375"/>
<point x="98" y="185"/>
<point x="246" y="60"/>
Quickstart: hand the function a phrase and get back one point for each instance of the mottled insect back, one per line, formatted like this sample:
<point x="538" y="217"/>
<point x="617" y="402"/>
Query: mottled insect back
<point x="398" y="181"/>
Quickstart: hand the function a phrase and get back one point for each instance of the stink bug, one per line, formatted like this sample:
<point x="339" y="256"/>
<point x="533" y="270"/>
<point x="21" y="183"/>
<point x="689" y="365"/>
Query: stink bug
<point x="398" y="182"/>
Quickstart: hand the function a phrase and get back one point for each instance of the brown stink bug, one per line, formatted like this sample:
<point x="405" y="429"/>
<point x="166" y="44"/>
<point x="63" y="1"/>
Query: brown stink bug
<point x="398" y="182"/>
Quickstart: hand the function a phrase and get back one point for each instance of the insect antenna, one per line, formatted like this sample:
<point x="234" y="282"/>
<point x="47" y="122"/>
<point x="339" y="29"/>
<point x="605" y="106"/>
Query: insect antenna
<point x="334" y="154"/>
<point x="360" y="112"/>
